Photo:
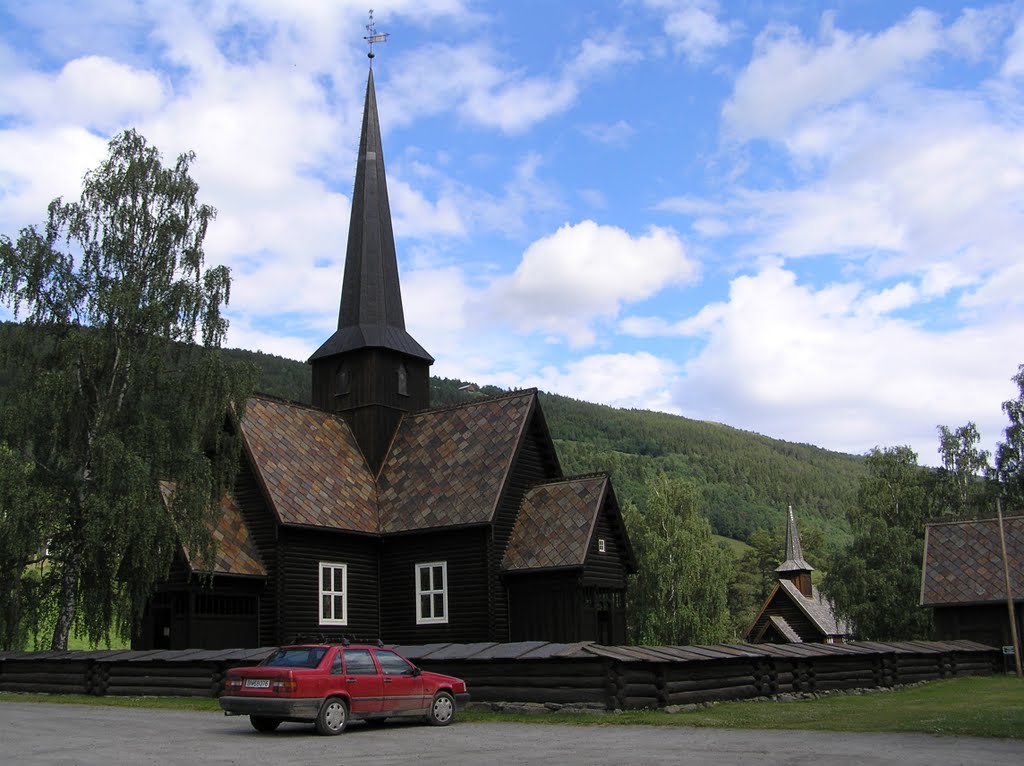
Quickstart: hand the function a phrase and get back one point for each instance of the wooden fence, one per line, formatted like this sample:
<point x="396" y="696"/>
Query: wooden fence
<point x="613" y="677"/>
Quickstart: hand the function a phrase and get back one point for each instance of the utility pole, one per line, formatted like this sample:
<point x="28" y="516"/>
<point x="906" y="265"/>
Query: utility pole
<point x="1009" y="594"/>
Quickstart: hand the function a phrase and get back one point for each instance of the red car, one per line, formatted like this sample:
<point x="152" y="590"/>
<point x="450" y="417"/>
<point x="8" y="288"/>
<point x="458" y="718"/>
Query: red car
<point x="331" y="684"/>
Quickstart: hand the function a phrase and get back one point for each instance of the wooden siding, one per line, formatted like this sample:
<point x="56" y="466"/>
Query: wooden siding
<point x="468" y="614"/>
<point x="783" y="606"/>
<point x="301" y="551"/>
<point x="373" y="406"/>
<point x="545" y="606"/>
<point x="262" y="524"/>
<point x="984" y="623"/>
<point x="608" y="569"/>
<point x="529" y="468"/>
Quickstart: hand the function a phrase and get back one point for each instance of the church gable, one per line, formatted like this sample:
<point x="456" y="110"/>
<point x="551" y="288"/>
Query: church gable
<point x="309" y="466"/>
<point x="448" y="467"/>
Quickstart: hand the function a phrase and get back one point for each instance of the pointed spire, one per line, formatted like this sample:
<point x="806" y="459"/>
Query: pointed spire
<point x="371" y="312"/>
<point x="794" y="562"/>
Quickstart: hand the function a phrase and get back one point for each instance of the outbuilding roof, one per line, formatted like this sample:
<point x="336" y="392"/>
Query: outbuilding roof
<point x="963" y="562"/>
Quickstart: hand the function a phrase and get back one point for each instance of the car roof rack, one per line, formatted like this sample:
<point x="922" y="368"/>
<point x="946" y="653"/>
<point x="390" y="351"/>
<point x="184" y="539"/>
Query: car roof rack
<point x="333" y="638"/>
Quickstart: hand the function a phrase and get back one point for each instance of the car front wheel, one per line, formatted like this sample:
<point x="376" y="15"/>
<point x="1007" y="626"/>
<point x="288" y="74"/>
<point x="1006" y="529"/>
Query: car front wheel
<point x="333" y="717"/>
<point x="262" y="724"/>
<point x="442" y="709"/>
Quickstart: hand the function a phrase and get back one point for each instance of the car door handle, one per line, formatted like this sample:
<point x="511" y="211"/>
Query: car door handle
<point x="350" y="680"/>
<point x="387" y="680"/>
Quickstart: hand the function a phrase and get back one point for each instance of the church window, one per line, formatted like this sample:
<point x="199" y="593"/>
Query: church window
<point x="342" y="381"/>
<point x="333" y="593"/>
<point x="403" y="380"/>
<point x="432" y="593"/>
<point x="600" y="545"/>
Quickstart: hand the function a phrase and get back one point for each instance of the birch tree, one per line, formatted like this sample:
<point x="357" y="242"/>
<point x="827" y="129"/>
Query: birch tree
<point x="116" y="382"/>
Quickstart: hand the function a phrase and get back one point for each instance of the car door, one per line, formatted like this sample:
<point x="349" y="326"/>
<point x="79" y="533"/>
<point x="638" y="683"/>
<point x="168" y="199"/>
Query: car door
<point x="362" y="682"/>
<point x="403" y="686"/>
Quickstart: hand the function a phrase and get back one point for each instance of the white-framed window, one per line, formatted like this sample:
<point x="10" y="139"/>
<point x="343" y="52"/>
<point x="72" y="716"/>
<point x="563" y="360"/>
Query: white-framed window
<point x="600" y="545"/>
<point x="333" y="593"/>
<point x="432" y="592"/>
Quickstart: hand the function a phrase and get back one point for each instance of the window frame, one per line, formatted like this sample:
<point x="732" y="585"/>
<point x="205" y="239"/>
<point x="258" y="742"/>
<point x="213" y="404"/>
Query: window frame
<point x="432" y="619"/>
<point x="333" y="566"/>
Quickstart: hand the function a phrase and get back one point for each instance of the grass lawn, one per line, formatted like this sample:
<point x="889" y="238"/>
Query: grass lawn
<point x="976" y="707"/>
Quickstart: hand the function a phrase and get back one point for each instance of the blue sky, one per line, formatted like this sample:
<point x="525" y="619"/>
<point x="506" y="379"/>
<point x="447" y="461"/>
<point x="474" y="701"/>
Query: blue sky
<point x="802" y="219"/>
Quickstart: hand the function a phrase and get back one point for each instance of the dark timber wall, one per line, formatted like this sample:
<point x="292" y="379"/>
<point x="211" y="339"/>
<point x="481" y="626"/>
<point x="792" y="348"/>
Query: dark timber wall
<point x="612" y="677"/>
<point x="463" y="551"/>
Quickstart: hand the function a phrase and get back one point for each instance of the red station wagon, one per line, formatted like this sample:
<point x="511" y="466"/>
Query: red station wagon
<point x="329" y="684"/>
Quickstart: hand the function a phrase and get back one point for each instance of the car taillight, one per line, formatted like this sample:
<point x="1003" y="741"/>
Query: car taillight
<point x="283" y="686"/>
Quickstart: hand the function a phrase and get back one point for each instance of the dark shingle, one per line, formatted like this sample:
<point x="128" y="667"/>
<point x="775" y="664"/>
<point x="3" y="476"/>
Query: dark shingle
<point x="448" y="467"/>
<point x="963" y="562"/>
<point x="555" y="524"/>
<point x="310" y="465"/>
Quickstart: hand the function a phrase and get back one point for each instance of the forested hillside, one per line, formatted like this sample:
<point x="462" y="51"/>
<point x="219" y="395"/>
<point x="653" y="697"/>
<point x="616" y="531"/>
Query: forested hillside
<point x="747" y="480"/>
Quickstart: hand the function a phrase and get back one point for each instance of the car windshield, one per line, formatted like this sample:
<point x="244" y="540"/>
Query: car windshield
<point x="296" y="657"/>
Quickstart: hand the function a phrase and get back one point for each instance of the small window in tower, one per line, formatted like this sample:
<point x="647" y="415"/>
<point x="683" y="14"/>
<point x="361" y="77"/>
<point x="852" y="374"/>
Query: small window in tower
<point x="342" y="381"/>
<point x="403" y="381"/>
<point x="600" y="545"/>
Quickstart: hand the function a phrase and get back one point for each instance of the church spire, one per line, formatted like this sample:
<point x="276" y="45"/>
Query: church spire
<point x="371" y="371"/>
<point x="795" y="567"/>
<point x="371" y="314"/>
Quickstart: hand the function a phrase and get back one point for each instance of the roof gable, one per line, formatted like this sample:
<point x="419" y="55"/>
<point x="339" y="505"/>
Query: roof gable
<point x="448" y="467"/>
<point x="555" y="524"/>
<point x="309" y="466"/>
<point x="963" y="562"/>
<point x="817" y="609"/>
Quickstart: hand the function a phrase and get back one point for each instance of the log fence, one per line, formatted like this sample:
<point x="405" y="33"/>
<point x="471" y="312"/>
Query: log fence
<point x="609" y="677"/>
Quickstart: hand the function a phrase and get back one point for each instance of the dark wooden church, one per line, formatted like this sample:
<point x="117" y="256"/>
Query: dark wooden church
<point x="795" y="611"/>
<point x="370" y="514"/>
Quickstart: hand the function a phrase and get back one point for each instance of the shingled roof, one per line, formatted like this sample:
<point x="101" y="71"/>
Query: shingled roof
<point x="447" y="467"/>
<point x="817" y="609"/>
<point x="310" y="466"/>
<point x="236" y="552"/>
<point x="555" y="524"/>
<point x="963" y="562"/>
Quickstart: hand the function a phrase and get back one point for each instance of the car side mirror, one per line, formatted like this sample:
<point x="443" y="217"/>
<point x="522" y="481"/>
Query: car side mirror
<point x="416" y="671"/>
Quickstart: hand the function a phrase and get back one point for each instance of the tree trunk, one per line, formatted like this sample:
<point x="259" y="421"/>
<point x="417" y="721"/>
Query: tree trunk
<point x="67" y="602"/>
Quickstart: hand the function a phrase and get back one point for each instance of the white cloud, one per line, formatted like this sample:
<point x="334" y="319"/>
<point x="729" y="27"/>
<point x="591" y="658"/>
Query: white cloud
<point x="827" y="366"/>
<point x="790" y="75"/>
<point x="613" y="134"/>
<point x="693" y="26"/>
<point x="638" y="379"/>
<point x="586" y="271"/>
<point x="1013" y="65"/>
<point x="471" y="80"/>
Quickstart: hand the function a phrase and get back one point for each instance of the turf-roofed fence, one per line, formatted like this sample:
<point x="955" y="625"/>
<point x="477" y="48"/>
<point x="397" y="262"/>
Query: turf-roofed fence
<point x="597" y="676"/>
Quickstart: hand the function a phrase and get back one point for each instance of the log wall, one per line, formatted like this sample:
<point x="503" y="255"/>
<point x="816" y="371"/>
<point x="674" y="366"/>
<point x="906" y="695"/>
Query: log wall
<point x="612" y="677"/>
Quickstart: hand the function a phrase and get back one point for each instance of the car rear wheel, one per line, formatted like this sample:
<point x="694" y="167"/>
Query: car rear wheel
<point x="442" y="709"/>
<point x="263" y="724"/>
<point x="333" y="717"/>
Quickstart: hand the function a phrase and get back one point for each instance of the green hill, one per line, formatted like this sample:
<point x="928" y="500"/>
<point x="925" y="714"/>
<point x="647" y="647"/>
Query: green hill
<point x="747" y="479"/>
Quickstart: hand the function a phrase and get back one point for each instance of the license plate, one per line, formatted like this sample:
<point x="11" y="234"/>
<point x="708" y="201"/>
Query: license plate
<point x="257" y="683"/>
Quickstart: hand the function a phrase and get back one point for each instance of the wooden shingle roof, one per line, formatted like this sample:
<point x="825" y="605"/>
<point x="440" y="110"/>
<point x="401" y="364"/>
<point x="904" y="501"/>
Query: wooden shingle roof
<point x="236" y="551"/>
<point x="448" y="467"/>
<point x="555" y="524"/>
<point x="963" y="562"/>
<point x="310" y="466"/>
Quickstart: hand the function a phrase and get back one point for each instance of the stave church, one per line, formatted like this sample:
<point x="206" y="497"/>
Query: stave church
<point x="371" y="515"/>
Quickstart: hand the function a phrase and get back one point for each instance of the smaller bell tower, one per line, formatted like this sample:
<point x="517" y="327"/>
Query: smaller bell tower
<point x="795" y="568"/>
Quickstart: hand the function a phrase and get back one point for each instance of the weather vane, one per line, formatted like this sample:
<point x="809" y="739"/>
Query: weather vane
<point x="373" y="37"/>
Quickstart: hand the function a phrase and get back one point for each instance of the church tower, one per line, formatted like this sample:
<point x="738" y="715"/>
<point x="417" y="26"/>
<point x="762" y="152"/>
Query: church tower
<point x="795" y="568"/>
<point x="371" y="370"/>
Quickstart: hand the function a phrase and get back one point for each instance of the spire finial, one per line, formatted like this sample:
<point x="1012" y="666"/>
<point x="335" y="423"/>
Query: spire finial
<point x="373" y="37"/>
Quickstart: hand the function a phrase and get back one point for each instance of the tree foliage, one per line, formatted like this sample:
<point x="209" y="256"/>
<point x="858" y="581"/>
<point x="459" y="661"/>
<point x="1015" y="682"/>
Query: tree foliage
<point x="962" y="489"/>
<point x="1009" y="460"/>
<point x="875" y="582"/>
<point x="110" y="394"/>
<point x="679" y="594"/>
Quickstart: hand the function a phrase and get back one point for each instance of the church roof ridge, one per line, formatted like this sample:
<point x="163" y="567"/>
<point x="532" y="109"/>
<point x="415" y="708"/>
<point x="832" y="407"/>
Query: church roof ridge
<point x="522" y="392"/>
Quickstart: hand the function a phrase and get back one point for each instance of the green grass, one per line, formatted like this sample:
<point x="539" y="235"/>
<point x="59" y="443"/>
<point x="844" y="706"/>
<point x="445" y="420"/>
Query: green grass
<point x="975" y="707"/>
<point x="738" y="547"/>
